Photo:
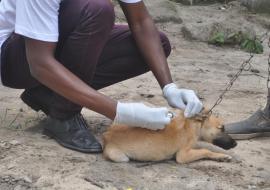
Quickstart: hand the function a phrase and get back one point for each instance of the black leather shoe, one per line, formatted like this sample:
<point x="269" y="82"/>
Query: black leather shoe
<point x="257" y="125"/>
<point x="73" y="134"/>
<point x="67" y="127"/>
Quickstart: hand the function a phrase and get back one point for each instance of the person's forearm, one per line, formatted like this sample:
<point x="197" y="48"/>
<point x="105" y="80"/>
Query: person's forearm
<point x="59" y="79"/>
<point x="149" y="43"/>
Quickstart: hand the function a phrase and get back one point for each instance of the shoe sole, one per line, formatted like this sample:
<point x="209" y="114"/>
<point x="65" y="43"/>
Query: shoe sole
<point x="94" y="150"/>
<point x="26" y="98"/>
<point x="249" y="136"/>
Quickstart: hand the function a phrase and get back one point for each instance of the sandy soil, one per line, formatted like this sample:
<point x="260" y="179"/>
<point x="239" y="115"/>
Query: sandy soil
<point x="30" y="160"/>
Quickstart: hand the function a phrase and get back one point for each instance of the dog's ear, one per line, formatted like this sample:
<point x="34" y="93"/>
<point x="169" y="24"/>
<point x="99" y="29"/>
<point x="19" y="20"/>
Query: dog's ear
<point x="204" y="114"/>
<point x="179" y="119"/>
<point x="178" y="112"/>
<point x="205" y="111"/>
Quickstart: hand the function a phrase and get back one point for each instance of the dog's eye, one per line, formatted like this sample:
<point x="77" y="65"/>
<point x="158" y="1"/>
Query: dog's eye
<point x="222" y="128"/>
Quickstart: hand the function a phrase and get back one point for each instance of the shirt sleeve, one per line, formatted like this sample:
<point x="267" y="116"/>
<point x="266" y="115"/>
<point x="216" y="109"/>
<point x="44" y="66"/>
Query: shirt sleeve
<point x="130" y="1"/>
<point x="38" y="19"/>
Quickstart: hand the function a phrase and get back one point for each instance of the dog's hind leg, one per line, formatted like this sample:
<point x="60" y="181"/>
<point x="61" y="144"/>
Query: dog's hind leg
<point x="190" y="155"/>
<point x="114" y="154"/>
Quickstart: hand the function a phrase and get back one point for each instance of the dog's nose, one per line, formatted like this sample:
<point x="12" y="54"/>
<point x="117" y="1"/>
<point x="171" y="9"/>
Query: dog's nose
<point x="234" y="144"/>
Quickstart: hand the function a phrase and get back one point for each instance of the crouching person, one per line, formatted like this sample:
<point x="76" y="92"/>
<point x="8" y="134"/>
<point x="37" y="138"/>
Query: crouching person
<point x="63" y="51"/>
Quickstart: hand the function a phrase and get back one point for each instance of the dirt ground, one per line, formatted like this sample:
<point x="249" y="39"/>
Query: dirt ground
<point x="30" y="160"/>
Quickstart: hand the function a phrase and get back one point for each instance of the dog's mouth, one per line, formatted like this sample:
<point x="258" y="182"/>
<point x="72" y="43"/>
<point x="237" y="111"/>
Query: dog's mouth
<point x="224" y="141"/>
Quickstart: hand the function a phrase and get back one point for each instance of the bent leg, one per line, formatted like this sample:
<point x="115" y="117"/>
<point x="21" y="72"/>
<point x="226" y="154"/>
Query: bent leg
<point x="14" y="66"/>
<point x="186" y="156"/>
<point x="114" y="154"/>
<point x="121" y="59"/>
<point x="84" y="27"/>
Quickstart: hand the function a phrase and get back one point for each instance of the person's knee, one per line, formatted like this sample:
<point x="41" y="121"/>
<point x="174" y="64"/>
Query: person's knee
<point x="165" y="43"/>
<point x="99" y="14"/>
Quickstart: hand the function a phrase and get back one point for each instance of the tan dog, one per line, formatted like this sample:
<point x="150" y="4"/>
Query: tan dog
<point x="122" y="143"/>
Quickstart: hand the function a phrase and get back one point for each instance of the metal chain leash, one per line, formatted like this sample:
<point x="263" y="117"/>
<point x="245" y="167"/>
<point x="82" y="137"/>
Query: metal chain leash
<point x="268" y="79"/>
<point x="245" y="66"/>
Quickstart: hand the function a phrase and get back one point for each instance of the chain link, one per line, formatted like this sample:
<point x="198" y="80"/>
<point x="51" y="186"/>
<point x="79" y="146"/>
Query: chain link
<point x="245" y="66"/>
<point x="268" y="79"/>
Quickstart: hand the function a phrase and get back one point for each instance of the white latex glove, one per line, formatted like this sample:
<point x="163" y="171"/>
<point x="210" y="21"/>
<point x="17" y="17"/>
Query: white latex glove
<point x="183" y="99"/>
<point x="140" y="115"/>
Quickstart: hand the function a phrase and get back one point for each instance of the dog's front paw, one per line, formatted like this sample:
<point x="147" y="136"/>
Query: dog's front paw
<point x="226" y="158"/>
<point x="223" y="158"/>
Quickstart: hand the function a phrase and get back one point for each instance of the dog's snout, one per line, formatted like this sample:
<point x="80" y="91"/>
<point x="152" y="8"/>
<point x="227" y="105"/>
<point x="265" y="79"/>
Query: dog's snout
<point x="224" y="141"/>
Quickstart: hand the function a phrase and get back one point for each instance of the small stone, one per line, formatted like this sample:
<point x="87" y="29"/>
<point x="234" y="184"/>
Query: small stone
<point x="261" y="183"/>
<point x="6" y="179"/>
<point x="27" y="179"/>
<point x="252" y="186"/>
<point x="150" y="96"/>
<point x="255" y="71"/>
<point x="147" y="95"/>
<point x="222" y="8"/>
<point x="5" y="145"/>
<point x="10" y="167"/>
<point x="18" y="187"/>
<point x="14" y="142"/>
<point x="260" y="169"/>
<point x="230" y="75"/>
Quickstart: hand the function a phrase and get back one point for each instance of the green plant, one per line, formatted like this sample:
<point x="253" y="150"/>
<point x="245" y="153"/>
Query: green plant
<point x="252" y="45"/>
<point x="246" y="43"/>
<point x="218" y="39"/>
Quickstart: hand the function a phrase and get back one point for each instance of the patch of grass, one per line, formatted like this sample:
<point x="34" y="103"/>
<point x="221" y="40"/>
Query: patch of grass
<point x="218" y="39"/>
<point x="246" y="43"/>
<point x="252" y="45"/>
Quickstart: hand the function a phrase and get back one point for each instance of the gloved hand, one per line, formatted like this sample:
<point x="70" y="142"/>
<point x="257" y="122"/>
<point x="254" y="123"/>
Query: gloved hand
<point x="140" y="115"/>
<point x="183" y="99"/>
